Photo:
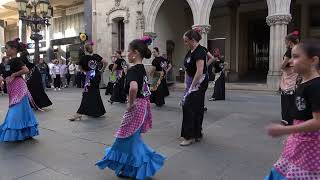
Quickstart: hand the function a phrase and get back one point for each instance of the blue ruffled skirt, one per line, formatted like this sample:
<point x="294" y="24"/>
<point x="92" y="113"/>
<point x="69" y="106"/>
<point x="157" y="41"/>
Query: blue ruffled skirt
<point x="130" y="157"/>
<point x="275" y="175"/>
<point x="20" y="123"/>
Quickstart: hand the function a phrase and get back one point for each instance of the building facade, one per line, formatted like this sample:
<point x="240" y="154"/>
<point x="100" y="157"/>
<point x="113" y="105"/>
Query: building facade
<point x="250" y="32"/>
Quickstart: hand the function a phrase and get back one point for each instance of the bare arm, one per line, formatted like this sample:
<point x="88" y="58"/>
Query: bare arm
<point x="276" y="130"/>
<point x="132" y="93"/>
<point x="114" y="67"/>
<point x="308" y="126"/>
<point x="199" y="73"/>
<point x="24" y="70"/>
<point x="169" y="68"/>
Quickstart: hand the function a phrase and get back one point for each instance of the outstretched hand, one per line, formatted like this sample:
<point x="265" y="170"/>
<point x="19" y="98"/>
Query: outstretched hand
<point x="276" y="130"/>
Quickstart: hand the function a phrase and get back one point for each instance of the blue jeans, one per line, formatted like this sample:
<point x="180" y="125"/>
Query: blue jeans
<point x="44" y="82"/>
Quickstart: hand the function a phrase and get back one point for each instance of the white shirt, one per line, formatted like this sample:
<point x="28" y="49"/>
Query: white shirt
<point x="72" y="69"/>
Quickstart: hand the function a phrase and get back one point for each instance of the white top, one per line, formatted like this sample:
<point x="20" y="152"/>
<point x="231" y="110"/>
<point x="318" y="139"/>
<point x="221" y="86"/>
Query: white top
<point x="72" y="69"/>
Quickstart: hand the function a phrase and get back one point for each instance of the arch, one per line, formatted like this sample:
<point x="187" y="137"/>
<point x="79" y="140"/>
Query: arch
<point x="117" y="12"/>
<point x="154" y="6"/>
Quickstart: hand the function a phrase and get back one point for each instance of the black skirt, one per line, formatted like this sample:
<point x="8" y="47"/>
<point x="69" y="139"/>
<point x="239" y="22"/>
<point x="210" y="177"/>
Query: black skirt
<point x="193" y="112"/>
<point x="109" y="88"/>
<point x="157" y="97"/>
<point x="165" y="88"/>
<point x="91" y="103"/>
<point x="35" y="86"/>
<point x="118" y="92"/>
<point x="219" y="92"/>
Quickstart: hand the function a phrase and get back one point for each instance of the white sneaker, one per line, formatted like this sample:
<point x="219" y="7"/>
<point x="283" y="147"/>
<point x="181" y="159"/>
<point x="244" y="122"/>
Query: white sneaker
<point x="59" y="89"/>
<point x="55" y="89"/>
<point x="187" y="142"/>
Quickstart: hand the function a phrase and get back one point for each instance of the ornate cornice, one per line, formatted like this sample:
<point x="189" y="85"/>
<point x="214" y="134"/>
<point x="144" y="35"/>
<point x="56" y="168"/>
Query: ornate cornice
<point x="118" y="8"/>
<point x="153" y="35"/>
<point x="278" y="19"/>
<point x="205" y="29"/>
<point x="140" y="20"/>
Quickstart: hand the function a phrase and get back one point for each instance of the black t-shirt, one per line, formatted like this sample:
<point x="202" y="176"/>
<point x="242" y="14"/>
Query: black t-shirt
<point x="120" y="64"/>
<point x="138" y="73"/>
<point x="87" y="62"/>
<point x="191" y="59"/>
<point x="307" y="99"/>
<point x="158" y="63"/>
<point x="218" y="66"/>
<point x="14" y="65"/>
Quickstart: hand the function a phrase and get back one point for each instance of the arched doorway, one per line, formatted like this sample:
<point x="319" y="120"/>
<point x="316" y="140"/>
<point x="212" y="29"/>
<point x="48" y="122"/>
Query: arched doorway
<point x="242" y="25"/>
<point x="172" y="20"/>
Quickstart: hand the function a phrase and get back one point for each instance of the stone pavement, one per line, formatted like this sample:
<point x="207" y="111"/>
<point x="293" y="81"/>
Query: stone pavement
<point x="235" y="146"/>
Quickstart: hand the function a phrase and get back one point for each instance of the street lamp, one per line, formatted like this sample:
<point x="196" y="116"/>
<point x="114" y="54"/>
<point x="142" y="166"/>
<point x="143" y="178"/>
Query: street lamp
<point x="36" y="14"/>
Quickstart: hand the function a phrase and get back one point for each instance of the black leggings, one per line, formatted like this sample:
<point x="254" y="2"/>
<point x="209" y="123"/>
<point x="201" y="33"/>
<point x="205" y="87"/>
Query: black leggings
<point x="57" y="81"/>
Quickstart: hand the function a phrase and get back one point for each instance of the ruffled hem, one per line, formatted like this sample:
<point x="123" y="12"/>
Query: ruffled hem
<point x="10" y="135"/>
<point x="275" y="175"/>
<point x="128" y="165"/>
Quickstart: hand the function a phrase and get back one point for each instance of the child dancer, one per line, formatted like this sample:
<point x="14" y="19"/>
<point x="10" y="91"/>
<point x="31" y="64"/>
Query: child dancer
<point x="300" y="157"/>
<point x="20" y="122"/>
<point x="129" y="156"/>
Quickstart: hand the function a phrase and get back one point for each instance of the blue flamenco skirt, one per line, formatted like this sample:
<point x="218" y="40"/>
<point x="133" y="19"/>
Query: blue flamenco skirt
<point x="275" y="175"/>
<point x="130" y="157"/>
<point x="20" y="123"/>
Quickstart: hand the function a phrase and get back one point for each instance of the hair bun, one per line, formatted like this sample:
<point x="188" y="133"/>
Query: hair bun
<point x="146" y="40"/>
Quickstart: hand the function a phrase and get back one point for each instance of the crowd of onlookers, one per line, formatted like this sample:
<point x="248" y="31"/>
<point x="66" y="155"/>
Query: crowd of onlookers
<point x="56" y="74"/>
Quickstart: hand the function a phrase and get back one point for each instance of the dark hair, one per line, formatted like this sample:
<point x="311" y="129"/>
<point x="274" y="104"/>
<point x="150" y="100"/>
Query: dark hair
<point x="119" y="52"/>
<point x="157" y="49"/>
<point x="4" y="58"/>
<point x="193" y="34"/>
<point x="141" y="47"/>
<point x="293" y="37"/>
<point x="88" y="48"/>
<point x="311" y="47"/>
<point x="110" y="67"/>
<point x="19" y="46"/>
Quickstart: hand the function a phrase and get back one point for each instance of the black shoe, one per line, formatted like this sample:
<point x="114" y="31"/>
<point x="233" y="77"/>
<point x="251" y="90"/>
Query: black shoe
<point x="205" y="109"/>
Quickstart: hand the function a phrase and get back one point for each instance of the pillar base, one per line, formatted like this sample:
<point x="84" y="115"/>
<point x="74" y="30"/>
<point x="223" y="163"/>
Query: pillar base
<point x="273" y="80"/>
<point x="232" y="76"/>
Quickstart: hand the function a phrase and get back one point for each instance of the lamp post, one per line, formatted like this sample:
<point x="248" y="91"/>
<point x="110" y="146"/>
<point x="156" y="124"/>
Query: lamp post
<point x="36" y="14"/>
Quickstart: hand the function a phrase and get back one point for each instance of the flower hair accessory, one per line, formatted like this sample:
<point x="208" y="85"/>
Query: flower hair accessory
<point x="198" y="30"/>
<point x="146" y="40"/>
<point x="296" y="33"/>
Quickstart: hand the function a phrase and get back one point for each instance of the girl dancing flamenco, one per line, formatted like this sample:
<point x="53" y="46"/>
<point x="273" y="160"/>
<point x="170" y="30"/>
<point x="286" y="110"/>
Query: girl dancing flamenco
<point x="20" y="122"/>
<point x="300" y="157"/>
<point x="129" y="156"/>
<point x="91" y="103"/>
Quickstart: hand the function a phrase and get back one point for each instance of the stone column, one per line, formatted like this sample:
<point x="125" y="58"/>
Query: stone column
<point x="278" y="31"/>
<point x="22" y="31"/>
<point x="88" y="18"/>
<point x="205" y="29"/>
<point x="2" y="41"/>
